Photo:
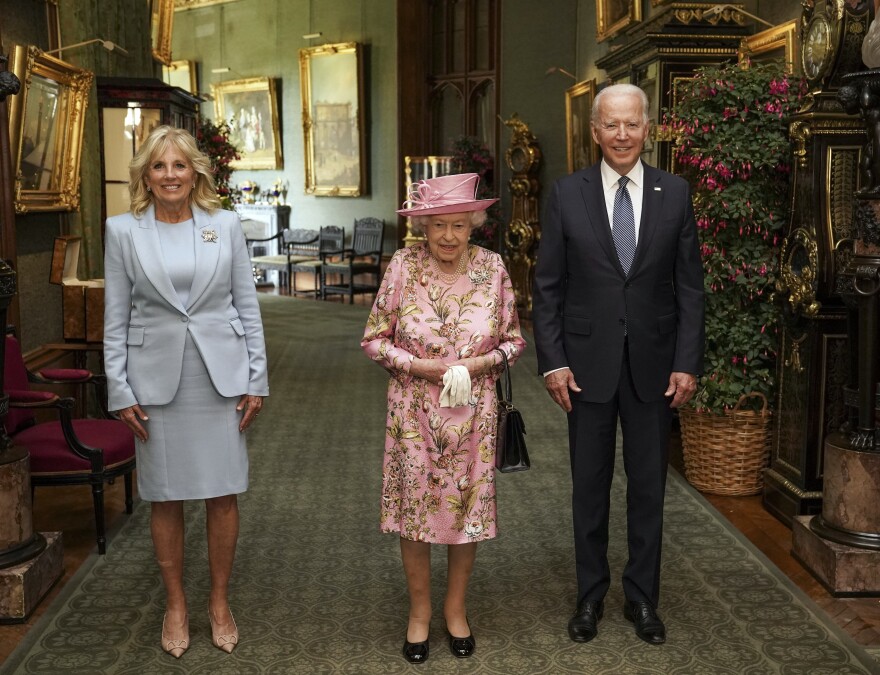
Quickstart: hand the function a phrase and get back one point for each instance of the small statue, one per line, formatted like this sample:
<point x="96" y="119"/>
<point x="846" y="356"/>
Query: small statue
<point x="871" y="43"/>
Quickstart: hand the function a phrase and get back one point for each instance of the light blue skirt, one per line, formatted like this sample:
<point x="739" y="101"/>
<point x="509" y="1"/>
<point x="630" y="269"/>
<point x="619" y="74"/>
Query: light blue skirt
<point x="195" y="450"/>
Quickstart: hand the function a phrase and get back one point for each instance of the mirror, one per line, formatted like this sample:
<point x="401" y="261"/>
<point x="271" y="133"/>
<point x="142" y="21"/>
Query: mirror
<point x="161" y="21"/>
<point x="45" y="128"/>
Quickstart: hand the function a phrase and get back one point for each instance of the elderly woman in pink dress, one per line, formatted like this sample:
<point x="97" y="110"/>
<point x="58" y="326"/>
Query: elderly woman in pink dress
<point x="444" y="310"/>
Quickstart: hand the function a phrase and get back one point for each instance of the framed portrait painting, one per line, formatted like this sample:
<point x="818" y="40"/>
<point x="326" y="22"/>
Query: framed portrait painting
<point x="161" y="22"/>
<point x="613" y="16"/>
<point x="183" y="74"/>
<point x="331" y="77"/>
<point x="250" y="107"/>
<point x="780" y="42"/>
<point x="582" y="150"/>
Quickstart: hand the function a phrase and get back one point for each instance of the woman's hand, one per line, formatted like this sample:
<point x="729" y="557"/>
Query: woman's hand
<point x="477" y="366"/>
<point x="431" y="370"/>
<point x="133" y="416"/>
<point x="251" y="406"/>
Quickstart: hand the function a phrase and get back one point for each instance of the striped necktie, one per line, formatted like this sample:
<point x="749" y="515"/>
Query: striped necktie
<point x="623" y="226"/>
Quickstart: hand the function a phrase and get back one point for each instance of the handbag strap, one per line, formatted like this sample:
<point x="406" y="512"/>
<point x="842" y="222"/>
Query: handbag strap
<point x="505" y="394"/>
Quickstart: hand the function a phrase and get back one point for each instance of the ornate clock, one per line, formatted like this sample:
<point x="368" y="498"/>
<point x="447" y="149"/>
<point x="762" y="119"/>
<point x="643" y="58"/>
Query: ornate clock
<point x="812" y="367"/>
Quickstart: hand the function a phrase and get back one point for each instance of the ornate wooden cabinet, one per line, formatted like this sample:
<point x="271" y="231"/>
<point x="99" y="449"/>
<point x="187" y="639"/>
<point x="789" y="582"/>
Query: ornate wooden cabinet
<point x="814" y="357"/>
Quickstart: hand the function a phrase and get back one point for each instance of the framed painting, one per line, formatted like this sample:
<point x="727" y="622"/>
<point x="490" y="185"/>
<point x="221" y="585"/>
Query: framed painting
<point x="46" y="120"/>
<point x="331" y="77"/>
<point x="780" y="42"/>
<point x="582" y="150"/>
<point x="251" y="108"/>
<point x="613" y="16"/>
<point x="161" y="22"/>
<point x="182" y="74"/>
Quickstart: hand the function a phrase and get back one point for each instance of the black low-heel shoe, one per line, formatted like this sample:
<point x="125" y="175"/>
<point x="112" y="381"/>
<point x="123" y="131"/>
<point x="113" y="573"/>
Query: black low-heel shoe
<point x="462" y="648"/>
<point x="415" y="652"/>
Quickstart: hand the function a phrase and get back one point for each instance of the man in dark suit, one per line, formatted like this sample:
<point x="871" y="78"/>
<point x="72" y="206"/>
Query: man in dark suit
<point x="618" y="320"/>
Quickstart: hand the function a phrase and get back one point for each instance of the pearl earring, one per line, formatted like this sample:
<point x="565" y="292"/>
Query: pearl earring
<point x="149" y="189"/>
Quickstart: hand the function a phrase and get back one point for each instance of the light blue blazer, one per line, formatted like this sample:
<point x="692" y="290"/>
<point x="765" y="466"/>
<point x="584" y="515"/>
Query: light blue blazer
<point x="145" y="324"/>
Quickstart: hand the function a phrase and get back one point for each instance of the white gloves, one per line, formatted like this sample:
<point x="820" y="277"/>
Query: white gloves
<point x="456" y="387"/>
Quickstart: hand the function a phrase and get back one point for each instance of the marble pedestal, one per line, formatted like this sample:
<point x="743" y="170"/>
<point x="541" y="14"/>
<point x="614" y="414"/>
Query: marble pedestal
<point x="841" y="547"/>
<point x="23" y="586"/>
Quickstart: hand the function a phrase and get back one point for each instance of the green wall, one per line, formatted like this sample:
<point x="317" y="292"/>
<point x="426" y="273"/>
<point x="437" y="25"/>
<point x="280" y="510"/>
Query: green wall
<point x="257" y="38"/>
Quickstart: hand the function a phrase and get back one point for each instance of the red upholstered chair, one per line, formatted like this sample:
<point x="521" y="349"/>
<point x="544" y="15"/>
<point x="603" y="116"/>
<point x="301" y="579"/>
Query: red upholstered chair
<point x="66" y="451"/>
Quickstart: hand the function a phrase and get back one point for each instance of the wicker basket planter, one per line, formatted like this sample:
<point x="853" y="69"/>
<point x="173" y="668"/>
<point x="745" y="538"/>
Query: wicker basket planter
<point x="726" y="454"/>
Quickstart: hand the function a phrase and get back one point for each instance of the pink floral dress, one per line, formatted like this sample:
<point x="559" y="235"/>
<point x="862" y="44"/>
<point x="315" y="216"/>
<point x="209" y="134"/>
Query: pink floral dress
<point x="438" y="479"/>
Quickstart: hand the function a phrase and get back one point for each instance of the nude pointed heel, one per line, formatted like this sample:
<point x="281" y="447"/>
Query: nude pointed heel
<point x="175" y="647"/>
<point x="224" y="642"/>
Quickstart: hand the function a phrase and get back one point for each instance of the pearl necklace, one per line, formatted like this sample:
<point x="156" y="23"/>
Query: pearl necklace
<point x="450" y="277"/>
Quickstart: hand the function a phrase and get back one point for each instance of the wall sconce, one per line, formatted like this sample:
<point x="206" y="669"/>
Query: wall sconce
<point x="109" y="45"/>
<point x="557" y="69"/>
<point x="312" y="36"/>
<point x="717" y="9"/>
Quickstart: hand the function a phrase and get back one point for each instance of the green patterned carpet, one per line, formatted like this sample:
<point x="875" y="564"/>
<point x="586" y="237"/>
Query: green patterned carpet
<point x="317" y="588"/>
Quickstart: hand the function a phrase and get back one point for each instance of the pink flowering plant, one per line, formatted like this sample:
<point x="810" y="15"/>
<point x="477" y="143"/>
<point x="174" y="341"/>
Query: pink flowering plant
<point x="471" y="155"/>
<point x="732" y="146"/>
<point x="213" y="140"/>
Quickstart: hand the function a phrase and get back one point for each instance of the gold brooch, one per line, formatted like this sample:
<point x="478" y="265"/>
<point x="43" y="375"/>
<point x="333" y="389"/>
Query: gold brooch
<point x="209" y="236"/>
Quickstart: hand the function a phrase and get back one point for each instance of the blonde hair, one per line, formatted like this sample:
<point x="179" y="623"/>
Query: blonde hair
<point x="204" y="194"/>
<point x="419" y="222"/>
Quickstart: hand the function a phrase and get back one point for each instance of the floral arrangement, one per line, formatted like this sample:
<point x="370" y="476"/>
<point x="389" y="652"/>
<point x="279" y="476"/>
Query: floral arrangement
<point x="213" y="140"/>
<point x="732" y="145"/>
<point x="471" y="155"/>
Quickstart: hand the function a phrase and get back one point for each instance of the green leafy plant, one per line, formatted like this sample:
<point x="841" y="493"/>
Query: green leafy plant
<point x="732" y="146"/>
<point x="213" y="140"/>
<point x="471" y="155"/>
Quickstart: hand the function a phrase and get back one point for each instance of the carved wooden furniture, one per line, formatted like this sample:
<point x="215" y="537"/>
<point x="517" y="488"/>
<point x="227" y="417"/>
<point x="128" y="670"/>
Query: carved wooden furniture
<point x="331" y="243"/>
<point x="262" y="221"/>
<point x="522" y="233"/>
<point x="814" y="355"/>
<point x="68" y="451"/>
<point x="363" y="259"/>
<point x="296" y="246"/>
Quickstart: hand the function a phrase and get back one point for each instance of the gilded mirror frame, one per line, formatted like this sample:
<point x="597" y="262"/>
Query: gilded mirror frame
<point x="340" y="89"/>
<point x="74" y="85"/>
<point x="161" y="23"/>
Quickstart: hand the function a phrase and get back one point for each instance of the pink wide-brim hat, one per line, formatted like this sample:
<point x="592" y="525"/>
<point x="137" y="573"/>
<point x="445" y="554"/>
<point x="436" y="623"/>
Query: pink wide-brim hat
<point x="455" y="193"/>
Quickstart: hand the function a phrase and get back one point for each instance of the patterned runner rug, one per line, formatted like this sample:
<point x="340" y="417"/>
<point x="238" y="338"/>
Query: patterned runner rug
<point x="318" y="589"/>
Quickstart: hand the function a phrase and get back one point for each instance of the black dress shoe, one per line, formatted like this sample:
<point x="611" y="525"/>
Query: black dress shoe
<point x="584" y="625"/>
<point x="648" y="625"/>
<point x="462" y="648"/>
<point x="415" y="652"/>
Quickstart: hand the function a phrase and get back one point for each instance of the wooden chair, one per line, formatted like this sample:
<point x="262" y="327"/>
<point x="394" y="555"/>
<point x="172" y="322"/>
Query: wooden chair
<point x="296" y="246"/>
<point x="67" y="451"/>
<point x="363" y="258"/>
<point x="331" y="241"/>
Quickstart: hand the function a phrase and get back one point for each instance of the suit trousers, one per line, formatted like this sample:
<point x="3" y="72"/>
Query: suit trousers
<point x="592" y="429"/>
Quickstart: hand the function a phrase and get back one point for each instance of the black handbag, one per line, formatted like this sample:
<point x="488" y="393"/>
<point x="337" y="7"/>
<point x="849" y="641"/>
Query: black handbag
<point x="510" y="449"/>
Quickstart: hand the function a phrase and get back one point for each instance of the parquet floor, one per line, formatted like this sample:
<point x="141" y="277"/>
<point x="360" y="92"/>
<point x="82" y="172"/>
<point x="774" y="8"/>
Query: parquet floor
<point x="70" y="509"/>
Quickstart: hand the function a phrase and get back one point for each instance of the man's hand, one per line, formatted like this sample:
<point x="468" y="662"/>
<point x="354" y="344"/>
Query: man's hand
<point x="558" y="383"/>
<point x="682" y="387"/>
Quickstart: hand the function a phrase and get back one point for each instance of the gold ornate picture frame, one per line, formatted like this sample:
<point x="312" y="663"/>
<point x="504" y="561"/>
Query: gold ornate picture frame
<point x="251" y="108"/>
<point x="779" y="42"/>
<point x="161" y="23"/>
<point x="332" y="82"/>
<point x="613" y="16"/>
<point x="582" y="150"/>
<point x="46" y="120"/>
<point x="183" y="74"/>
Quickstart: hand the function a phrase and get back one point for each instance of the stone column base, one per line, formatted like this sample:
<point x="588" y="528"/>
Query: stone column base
<point x="842" y="570"/>
<point x="23" y="586"/>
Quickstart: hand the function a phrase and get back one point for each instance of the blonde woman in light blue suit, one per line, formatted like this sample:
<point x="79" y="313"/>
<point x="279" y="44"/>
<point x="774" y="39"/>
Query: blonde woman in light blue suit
<point x="185" y="360"/>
